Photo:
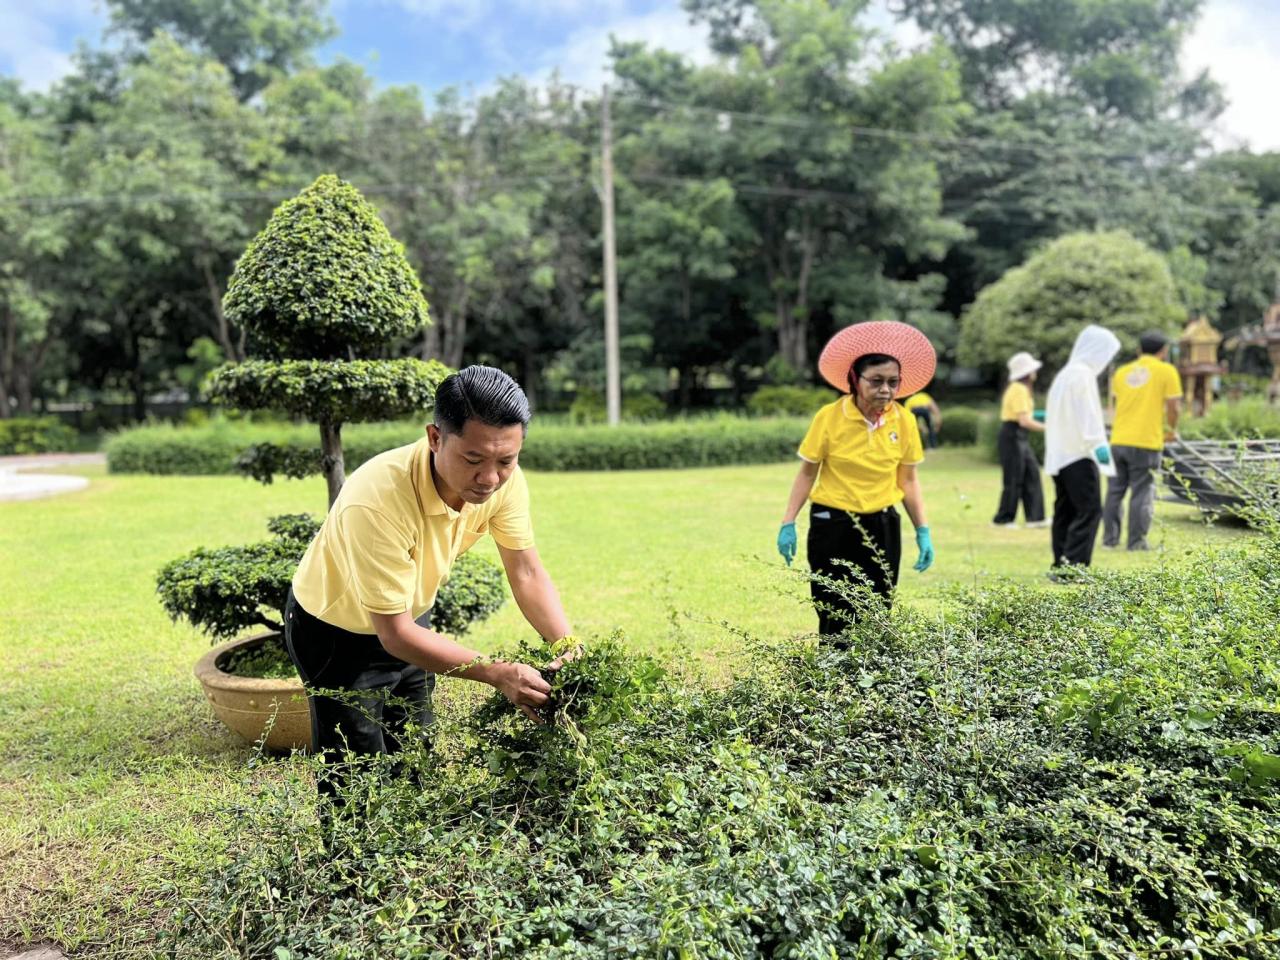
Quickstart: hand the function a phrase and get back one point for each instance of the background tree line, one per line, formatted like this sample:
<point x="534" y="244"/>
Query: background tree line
<point x="812" y="174"/>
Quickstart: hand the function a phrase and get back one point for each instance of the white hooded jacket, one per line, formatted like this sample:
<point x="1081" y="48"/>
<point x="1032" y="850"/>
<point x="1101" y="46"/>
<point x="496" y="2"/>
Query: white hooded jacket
<point x="1073" y="424"/>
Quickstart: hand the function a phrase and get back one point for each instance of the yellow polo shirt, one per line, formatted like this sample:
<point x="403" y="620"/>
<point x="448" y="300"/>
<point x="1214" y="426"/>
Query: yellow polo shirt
<point x="918" y="400"/>
<point x="1017" y="400"/>
<point x="1140" y="389"/>
<point x="389" y="541"/>
<point x="860" y="461"/>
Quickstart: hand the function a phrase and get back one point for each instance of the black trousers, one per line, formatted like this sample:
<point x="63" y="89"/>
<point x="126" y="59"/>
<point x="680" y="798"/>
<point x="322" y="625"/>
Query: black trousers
<point x="1077" y="512"/>
<point x="1021" y="472"/>
<point x="871" y="542"/>
<point x="377" y="696"/>
<point x="924" y="420"/>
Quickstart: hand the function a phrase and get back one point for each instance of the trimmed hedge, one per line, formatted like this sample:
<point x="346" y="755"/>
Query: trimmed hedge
<point x="215" y="449"/>
<point x="325" y="391"/>
<point x="23" y="435"/>
<point x="960" y="426"/>
<point x="789" y="401"/>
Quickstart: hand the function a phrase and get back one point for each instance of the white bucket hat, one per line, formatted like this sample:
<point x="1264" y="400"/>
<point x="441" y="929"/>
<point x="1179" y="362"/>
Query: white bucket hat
<point x="1023" y="365"/>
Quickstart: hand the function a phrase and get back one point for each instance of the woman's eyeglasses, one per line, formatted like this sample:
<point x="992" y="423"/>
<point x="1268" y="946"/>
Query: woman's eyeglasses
<point x="877" y="383"/>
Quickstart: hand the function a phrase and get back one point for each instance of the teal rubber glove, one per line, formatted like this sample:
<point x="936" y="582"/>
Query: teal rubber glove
<point x="925" y="544"/>
<point x="1038" y="416"/>
<point x="1103" y="453"/>
<point x="787" y="542"/>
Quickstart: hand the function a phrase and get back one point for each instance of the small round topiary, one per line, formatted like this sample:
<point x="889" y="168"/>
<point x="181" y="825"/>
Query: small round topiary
<point x="323" y="277"/>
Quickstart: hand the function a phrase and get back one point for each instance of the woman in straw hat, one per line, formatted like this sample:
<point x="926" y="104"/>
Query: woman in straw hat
<point x="1018" y="463"/>
<point x="862" y="451"/>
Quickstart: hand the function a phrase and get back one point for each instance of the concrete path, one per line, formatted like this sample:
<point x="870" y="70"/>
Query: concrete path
<point x="18" y="482"/>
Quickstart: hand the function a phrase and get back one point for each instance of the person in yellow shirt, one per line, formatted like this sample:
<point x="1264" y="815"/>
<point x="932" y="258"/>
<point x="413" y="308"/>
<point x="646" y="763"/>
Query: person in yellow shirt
<point x="928" y="417"/>
<point x="357" y="619"/>
<point x="859" y="461"/>
<point x="1019" y="467"/>
<point x="1145" y="395"/>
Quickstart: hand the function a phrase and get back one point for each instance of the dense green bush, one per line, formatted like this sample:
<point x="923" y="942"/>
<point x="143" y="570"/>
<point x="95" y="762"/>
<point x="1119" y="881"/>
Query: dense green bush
<point x="1083" y="773"/>
<point x="789" y="401"/>
<point x="960" y="426"/>
<point x="323" y="277"/>
<point x="22" y="435"/>
<point x="227" y="590"/>
<point x="589" y="407"/>
<point x="1107" y="278"/>
<point x="1249" y="419"/>
<point x="264" y="449"/>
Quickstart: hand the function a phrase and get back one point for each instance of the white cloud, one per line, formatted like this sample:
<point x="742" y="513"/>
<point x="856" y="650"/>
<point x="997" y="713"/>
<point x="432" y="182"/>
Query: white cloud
<point x="583" y="58"/>
<point x="30" y="48"/>
<point x="1235" y="40"/>
<point x="464" y="14"/>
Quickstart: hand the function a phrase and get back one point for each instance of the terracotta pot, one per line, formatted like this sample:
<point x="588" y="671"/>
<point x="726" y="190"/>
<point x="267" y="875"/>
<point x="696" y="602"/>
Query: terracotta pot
<point x="248" y="705"/>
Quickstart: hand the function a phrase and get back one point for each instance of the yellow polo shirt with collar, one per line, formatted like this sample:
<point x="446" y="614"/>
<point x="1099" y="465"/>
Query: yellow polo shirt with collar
<point x="389" y="541"/>
<point x="1140" y="390"/>
<point x="1017" y="400"/>
<point x="859" y="461"/>
<point x="918" y="401"/>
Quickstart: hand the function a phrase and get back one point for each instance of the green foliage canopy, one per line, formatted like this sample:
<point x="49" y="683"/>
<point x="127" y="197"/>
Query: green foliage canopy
<point x="328" y="392"/>
<point x="1109" y="279"/>
<point x="325" y="277"/>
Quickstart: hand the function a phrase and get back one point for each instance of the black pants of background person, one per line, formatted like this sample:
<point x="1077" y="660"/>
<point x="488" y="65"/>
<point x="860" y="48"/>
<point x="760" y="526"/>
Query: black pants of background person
<point x="875" y="549"/>
<point x="383" y="694"/>
<point x="1077" y="512"/>
<point x="1021" y="472"/>
<point x="928" y="435"/>
<point x="1135" y="474"/>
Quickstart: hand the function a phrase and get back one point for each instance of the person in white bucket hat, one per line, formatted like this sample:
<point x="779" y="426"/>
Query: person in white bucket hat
<point x="1018" y="464"/>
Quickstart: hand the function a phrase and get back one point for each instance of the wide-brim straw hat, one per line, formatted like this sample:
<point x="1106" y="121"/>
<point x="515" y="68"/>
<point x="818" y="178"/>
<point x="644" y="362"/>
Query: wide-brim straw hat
<point x="916" y="357"/>
<point x="1023" y="365"/>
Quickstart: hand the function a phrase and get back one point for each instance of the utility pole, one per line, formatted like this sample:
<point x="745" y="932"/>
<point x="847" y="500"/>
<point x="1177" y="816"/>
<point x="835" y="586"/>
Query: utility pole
<point x="612" y="373"/>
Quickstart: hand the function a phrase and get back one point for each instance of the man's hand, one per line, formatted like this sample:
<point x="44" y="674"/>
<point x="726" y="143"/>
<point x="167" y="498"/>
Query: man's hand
<point x="572" y="651"/>
<point x="523" y="686"/>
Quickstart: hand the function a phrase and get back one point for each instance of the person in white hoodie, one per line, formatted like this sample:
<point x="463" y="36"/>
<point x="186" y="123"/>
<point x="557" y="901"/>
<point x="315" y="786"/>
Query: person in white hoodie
<point x="1076" y="449"/>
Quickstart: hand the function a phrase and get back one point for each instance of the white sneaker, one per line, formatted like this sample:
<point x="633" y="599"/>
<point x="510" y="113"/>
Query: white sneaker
<point x="1040" y="524"/>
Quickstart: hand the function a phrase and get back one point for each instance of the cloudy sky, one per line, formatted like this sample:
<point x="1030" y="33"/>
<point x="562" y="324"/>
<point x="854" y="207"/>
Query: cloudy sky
<point x="470" y="42"/>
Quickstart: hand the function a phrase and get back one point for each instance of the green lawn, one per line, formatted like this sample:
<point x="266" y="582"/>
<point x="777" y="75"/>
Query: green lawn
<point x="111" y="764"/>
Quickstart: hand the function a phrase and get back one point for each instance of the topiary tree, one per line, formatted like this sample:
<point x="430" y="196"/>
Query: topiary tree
<point x="320" y="289"/>
<point x="1109" y="279"/>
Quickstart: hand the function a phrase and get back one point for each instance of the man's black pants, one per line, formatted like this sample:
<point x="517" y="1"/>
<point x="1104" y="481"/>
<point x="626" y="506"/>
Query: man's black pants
<point x="875" y="550"/>
<point x="1021" y="473"/>
<point x="378" y="696"/>
<point x="1077" y="512"/>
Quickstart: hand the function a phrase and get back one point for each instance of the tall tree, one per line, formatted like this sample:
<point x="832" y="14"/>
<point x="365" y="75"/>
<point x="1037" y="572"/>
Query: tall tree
<point x="256" y="40"/>
<point x="34" y="238"/>
<point x="780" y="118"/>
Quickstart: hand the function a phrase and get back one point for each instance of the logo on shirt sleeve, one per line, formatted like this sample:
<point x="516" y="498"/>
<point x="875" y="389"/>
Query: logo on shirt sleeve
<point x="893" y="436"/>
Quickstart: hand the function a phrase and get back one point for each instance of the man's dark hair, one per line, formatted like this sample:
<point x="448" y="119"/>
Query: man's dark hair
<point x="869" y="360"/>
<point x="1153" y="341"/>
<point x="480" y="393"/>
